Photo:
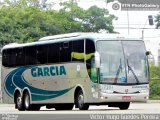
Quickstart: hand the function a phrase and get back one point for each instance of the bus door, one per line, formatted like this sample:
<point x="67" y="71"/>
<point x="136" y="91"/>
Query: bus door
<point x="92" y="71"/>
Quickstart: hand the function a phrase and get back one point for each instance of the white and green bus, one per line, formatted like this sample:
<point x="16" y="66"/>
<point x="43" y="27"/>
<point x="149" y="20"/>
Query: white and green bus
<point x="78" y="69"/>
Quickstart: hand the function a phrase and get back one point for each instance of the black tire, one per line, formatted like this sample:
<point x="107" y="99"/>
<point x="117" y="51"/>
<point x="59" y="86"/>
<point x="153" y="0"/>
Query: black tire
<point x="124" y="105"/>
<point x="64" y="107"/>
<point x="19" y="103"/>
<point x="80" y="101"/>
<point x="27" y="104"/>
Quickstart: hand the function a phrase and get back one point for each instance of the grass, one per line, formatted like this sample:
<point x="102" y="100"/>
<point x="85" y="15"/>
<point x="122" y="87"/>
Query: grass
<point x="154" y="97"/>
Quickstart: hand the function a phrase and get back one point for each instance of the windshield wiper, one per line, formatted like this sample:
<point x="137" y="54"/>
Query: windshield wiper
<point x="130" y="69"/>
<point x="118" y="71"/>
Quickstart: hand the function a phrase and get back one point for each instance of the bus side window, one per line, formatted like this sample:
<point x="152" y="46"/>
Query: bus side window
<point x="89" y="52"/>
<point x="5" y="58"/>
<point x="12" y="57"/>
<point x="30" y="55"/>
<point x="65" y="51"/>
<point x="78" y="51"/>
<point x="42" y="54"/>
<point x="20" y="58"/>
<point x="53" y="53"/>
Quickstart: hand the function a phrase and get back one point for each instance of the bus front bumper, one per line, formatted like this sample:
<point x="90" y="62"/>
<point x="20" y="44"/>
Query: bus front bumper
<point x="139" y="97"/>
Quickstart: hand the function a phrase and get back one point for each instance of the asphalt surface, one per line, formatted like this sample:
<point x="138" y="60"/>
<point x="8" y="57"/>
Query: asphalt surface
<point x="151" y="107"/>
<point x="136" y="111"/>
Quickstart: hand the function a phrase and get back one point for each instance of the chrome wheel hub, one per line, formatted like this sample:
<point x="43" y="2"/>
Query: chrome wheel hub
<point x="81" y="100"/>
<point x="26" y="101"/>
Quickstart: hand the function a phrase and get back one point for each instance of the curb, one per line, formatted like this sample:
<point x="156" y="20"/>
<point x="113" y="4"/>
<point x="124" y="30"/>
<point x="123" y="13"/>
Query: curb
<point x="1" y="104"/>
<point x="153" y="101"/>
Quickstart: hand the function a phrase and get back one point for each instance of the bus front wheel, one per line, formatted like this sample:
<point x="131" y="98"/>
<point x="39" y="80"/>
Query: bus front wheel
<point x="80" y="101"/>
<point x="124" y="105"/>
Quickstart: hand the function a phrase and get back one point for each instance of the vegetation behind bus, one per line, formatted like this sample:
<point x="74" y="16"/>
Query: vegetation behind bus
<point x="155" y="82"/>
<point x="29" y="20"/>
<point x="23" y="21"/>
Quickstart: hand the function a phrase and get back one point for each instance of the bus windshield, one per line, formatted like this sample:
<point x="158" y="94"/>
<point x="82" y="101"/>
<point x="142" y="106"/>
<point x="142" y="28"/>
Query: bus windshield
<point x="123" y="62"/>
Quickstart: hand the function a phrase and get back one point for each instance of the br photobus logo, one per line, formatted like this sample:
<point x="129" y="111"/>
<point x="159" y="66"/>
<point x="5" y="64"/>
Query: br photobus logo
<point x="116" y="5"/>
<point x="136" y="5"/>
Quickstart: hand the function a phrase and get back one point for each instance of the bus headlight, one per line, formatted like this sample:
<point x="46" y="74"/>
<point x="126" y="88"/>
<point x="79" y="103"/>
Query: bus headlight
<point x="144" y="91"/>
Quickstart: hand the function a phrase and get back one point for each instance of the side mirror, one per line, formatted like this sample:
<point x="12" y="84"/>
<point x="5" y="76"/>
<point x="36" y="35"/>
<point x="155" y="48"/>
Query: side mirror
<point x="97" y="60"/>
<point x="148" y="53"/>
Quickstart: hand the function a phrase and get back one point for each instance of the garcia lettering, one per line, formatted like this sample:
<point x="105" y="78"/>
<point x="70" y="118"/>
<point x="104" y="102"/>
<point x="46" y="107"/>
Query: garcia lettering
<point x="48" y="71"/>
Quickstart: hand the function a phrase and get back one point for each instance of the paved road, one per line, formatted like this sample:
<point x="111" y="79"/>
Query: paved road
<point x="140" y="111"/>
<point x="135" y="108"/>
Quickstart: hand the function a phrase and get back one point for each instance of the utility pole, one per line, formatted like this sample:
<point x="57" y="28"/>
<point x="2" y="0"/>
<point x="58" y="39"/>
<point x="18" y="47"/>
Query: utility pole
<point x="106" y="3"/>
<point x="128" y="20"/>
<point x="150" y="20"/>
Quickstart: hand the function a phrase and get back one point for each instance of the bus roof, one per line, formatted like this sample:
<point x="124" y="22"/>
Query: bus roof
<point x="72" y="36"/>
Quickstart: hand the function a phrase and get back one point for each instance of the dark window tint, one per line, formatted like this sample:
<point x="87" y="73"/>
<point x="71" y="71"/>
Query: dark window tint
<point x="12" y="57"/>
<point x="30" y="55"/>
<point x="90" y="47"/>
<point x="42" y="54"/>
<point x="90" y="50"/>
<point x="78" y="50"/>
<point x="53" y="53"/>
<point x="20" y="57"/>
<point x="65" y="51"/>
<point x="5" y="58"/>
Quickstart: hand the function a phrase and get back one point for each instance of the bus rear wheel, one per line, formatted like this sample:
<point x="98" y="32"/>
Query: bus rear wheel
<point x="27" y="104"/>
<point x="19" y="102"/>
<point x="124" y="105"/>
<point x="80" y="101"/>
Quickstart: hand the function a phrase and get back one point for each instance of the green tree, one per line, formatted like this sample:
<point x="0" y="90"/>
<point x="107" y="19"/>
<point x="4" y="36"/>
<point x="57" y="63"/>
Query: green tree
<point x="7" y="25"/>
<point x="93" y="20"/>
<point x="26" y="3"/>
<point x="71" y="17"/>
<point x="155" y="82"/>
<point x="96" y="19"/>
<point x="26" y="21"/>
<point x="154" y="71"/>
<point x="21" y="24"/>
<point x="157" y="20"/>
